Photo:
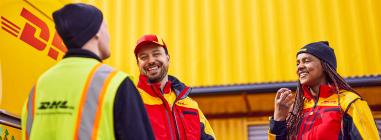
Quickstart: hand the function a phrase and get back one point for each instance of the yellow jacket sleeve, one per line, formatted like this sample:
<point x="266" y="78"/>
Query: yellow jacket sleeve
<point x="206" y="130"/>
<point x="271" y="136"/>
<point x="363" y="126"/>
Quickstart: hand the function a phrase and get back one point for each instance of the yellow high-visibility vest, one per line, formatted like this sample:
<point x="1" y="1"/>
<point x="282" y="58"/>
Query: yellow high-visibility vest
<point x="72" y="100"/>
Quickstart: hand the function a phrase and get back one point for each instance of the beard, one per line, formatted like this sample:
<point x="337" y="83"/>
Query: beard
<point x="158" y="76"/>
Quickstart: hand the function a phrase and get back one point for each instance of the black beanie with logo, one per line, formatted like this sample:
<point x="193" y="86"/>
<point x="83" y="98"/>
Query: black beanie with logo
<point x="322" y="51"/>
<point x="77" y="23"/>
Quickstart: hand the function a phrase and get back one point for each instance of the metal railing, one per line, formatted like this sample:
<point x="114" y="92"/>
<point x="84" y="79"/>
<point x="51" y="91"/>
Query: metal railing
<point x="10" y="119"/>
<point x="272" y="87"/>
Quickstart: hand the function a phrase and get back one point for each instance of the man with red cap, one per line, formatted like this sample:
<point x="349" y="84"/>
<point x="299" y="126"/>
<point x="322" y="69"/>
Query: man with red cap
<point x="173" y="115"/>
<point x="80" y="97"/>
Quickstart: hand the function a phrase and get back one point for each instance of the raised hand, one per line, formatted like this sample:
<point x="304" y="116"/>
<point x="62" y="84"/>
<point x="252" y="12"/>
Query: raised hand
<point x="283" y="102"/>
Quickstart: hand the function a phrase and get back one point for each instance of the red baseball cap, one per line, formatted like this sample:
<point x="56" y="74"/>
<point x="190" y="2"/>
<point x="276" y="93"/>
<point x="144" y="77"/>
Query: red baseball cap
<point x="149" y="39"/>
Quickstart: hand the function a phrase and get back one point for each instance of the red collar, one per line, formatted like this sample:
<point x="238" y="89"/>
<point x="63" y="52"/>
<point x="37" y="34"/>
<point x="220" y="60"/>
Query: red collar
<point x="153" y="88"/>
<point x="325" y="91"/>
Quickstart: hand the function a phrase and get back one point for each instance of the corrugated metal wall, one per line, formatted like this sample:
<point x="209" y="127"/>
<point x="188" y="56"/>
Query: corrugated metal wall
<point x="214" y="42"/>
<point x="230" y="129"/>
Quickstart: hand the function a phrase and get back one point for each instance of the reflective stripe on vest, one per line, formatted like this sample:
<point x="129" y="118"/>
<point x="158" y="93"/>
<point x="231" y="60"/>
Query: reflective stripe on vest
<point x="30" y="110"/>
<point x="89" y="111"/>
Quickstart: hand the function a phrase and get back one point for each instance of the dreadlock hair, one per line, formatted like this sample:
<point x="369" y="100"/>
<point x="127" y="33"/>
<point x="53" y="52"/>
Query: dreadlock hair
<point x="295" y="117"/>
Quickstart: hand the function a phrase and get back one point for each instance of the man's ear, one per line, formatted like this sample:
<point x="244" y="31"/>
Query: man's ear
<point x="168" y="57"/>
<point x="97" y="36"/>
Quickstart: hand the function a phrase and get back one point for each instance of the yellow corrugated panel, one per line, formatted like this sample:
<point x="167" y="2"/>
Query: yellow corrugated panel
<point x="230" y="129"/>
<point x="222" y="42"/>
<point x="213" y="42"/>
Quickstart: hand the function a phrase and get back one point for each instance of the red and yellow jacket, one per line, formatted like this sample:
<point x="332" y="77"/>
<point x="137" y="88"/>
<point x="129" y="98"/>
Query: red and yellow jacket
<point x="173" y="115"/>
<point x="322" y="118"/>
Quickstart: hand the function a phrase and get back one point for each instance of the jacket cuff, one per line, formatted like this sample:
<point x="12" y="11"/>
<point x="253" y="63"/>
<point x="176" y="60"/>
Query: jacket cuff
<point x="278" y="128"/>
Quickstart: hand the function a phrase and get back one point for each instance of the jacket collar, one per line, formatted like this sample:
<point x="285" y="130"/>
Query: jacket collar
<point x="324" y="91"/>
<point x="81" y="53"/>
<point x="181" y="90"/>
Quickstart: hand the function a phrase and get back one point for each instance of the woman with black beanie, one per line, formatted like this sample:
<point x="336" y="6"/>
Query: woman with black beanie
<point x="324" y="105"/>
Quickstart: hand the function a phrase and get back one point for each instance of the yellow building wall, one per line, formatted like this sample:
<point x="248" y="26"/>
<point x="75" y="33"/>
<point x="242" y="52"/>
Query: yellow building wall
<point x="219" y="42"/>
<point x="230" y="129"/>
<point x="211" y="42"/>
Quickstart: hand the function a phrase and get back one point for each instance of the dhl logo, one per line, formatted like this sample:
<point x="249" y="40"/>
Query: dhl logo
<point x="28" y="34"/>
<point x="329" y="102"/>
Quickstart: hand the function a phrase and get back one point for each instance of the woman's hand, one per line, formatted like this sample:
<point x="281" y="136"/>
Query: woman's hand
<point x="283" y="102"/>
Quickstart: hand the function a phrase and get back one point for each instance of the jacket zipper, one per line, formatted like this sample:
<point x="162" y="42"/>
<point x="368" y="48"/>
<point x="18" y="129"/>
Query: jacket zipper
<point x="166" y="112"/>
<point x="310" y="115"/>
<point x="169" y="122"/>
<point x="168" y="117"/>
<point x="175" y="119"/>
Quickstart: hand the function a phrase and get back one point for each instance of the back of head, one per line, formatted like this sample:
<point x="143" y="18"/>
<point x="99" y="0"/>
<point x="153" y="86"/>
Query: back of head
<point x="77" y="23"/>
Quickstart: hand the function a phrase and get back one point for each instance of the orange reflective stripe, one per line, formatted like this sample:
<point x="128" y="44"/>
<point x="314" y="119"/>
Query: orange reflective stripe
<point x="84" y="96"/>
<point x="91" y="106"/>
<point x="100" y="102"/>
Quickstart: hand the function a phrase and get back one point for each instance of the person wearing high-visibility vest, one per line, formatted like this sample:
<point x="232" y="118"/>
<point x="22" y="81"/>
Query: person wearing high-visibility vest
<point x="173" y="115"/>
<point x="80" y="97"/>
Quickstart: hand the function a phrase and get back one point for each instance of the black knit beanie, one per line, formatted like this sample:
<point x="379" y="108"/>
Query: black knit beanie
<point x="322" y="51"/>
<point x="77" y="23"/>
